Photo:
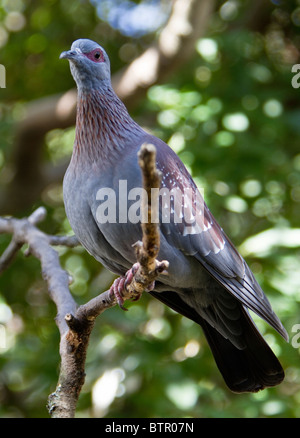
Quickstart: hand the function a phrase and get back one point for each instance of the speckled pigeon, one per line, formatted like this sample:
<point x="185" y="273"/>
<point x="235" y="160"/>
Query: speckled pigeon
<point x="208" y="280"/>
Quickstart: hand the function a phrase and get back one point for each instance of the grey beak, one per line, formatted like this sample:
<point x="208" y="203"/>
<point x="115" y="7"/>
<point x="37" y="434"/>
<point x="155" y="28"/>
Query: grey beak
<point x="68" y="54"/>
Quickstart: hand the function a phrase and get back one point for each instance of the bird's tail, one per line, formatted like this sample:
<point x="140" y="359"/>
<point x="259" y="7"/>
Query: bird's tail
<point x="248" y="369"/>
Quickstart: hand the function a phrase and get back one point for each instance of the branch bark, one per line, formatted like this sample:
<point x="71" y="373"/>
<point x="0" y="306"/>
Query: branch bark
<point x="76" y="323"/>
<point x="188" y="22"/>
<point x="25" y="231"/>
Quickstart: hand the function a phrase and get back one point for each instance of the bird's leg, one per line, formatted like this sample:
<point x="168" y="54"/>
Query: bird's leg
<point x="130" y="274"/>
<point x="120" y="284"/>
<point x="116" y="290"/>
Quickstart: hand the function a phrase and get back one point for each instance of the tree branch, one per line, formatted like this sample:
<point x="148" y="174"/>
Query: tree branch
<point x="25" y="231"/>
<point x="76" y="323"/>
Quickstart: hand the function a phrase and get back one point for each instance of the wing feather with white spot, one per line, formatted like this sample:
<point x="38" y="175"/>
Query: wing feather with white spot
<point x="188" y="225"/>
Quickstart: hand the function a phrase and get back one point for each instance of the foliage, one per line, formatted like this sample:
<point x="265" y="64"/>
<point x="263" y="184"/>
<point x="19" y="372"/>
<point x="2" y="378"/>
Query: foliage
<point x="232" y="116"/>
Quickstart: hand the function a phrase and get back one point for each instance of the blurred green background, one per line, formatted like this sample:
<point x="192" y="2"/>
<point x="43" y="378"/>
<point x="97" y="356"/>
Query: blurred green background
<point x="233" y="116"/>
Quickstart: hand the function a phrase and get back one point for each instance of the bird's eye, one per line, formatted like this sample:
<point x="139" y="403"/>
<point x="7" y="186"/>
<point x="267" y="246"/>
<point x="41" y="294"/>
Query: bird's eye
<point x="95" y="55"/>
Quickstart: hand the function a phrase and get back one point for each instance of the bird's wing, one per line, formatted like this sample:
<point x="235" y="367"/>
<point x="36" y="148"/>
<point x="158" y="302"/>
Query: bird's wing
<point x="188" y="225"/>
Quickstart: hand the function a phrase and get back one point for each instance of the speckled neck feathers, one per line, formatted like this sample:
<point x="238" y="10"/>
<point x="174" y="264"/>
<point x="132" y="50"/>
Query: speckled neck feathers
<point x="103" y="126"/>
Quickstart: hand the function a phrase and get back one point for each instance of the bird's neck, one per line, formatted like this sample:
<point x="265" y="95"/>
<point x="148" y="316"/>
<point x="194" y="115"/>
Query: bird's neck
<point x="103" y="126"/>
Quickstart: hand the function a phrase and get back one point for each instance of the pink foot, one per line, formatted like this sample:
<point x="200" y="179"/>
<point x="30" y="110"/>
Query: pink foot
<point x="120" y="284"/>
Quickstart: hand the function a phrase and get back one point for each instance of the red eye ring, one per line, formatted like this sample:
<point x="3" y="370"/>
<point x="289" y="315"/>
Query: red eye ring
<point x="95" y="55"/>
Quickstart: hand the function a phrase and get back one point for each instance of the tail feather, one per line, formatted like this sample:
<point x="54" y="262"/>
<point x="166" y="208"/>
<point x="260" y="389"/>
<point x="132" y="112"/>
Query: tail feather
<point x="249" y="369"/>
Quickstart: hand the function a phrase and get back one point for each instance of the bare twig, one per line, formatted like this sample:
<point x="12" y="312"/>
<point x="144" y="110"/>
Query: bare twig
<point x="9" y="255"/>
<point x="69" y="241"/>
<point x="147" y="250"/>
<point x="15" y="245"/>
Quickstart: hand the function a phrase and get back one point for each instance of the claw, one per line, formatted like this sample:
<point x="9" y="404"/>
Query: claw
<point x="130" y="274"/>
<point x="116" y="290"/>
<point x="137" y="297"/>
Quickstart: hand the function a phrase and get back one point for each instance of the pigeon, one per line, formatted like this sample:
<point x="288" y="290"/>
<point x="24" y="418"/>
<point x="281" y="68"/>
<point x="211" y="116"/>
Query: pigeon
<point x="208" y="280"/>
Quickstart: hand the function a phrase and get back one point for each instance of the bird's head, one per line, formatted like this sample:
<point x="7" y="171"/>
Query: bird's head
<point x="89" y="64"/>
